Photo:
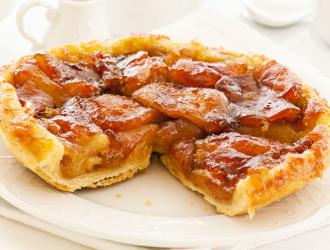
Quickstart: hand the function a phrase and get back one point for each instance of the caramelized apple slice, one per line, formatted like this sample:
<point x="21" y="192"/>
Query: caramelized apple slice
<point x="201" y="74"/>
<point x="218" y="162"/>
<point x="228" y="152"/>
<point x="171" y="131"/>
<point x="58" y="79"/>
<point x="88" y="149"/>
<point x="77" y="79"/>
<point x="106" y="66"/>
<point x="34" y="98"/>
<point x="194" y="73"/>
<point x="125" y="74"/>
<point x="266" y="107"/>
<point x="128" y="140"/>
<point x="253" y="105"/>
<point x="28" y="71"/>
<point x="280" y="79"/>
<point x="313" y="110"/>
<point x="111" y="112"/>
<point x="238" y="88"/>
<point x="139" y="69"/>
<point x="207" y="108"/>
<point x="72" y="128"/>
<point x="85" y="143"/>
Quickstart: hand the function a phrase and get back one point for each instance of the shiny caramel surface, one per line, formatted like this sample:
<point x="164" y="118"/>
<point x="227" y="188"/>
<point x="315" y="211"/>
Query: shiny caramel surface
<point x="207" y="108"/>
<point x="109" y="111"/>
<point x="217" y="121"/>
<point x="218" y="162"/>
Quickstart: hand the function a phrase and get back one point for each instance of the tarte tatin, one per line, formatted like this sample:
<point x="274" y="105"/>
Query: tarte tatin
<point x="242" y="130"/>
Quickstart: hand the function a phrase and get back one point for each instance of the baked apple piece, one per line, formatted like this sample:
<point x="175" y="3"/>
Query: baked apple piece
<point x="112" y="112"/>
<point x="30" y="72"/>
<point x="140" y="69"/>
<point x="77" y="79"/>
<point x="253" y="104"/>
<point x="101" y="131"/>
<point x="238" y="88"/>
<point x="265" y="108"/>
<point x="59" y="79"/>
<point x="201" y="74"/>
<point x="192" y="73"/>
<point x="131" y="72"/>
<point x="174" y="130"/>
<point x="33" y="98"/>
<point x="215" y="165"/>
<point x="220" y="158"/>
<point x="84" y="141"/>
<point x="280" y="79"/>
<point x="111" y="75"/>
<point x="135" y="143"/>
<point x="207" y="108"/>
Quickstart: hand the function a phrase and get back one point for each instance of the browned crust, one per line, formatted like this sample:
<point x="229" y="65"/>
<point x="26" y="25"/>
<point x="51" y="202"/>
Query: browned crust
<point x="25" y="137"/>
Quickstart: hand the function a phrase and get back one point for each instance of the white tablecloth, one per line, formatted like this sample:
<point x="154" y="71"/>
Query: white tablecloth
<point x="300" y="39"/>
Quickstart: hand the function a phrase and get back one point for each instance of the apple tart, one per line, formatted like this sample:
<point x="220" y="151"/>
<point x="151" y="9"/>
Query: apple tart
<point x="242" y="130"/>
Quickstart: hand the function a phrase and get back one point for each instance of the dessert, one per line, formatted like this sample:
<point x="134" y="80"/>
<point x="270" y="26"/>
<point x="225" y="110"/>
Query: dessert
<point x="242" y="130"/>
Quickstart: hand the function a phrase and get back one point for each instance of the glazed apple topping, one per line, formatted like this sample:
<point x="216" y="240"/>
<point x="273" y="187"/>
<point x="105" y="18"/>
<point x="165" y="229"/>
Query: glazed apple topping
<point x="106" y="66"/>
<point x="265" y="107"/>
<point x="76" y="79"/>
<point x="130" y="72"/>
<point x="58" y="79"/>
<point x="105" y="107"/>
<point x="175" y="130"/>
<point x="34" y="98"/>
<point x="279" y="79"/>
<point x="139" y="69"/>
<point x="112" y="112"/>
<point x="255" y="104"/>
<point x="30" y="72"/>
<point x="191" y="73"/>
<point x="65" y="72"/>
<point x="218" y="162"/>
<point x="104" y="127"/>
<point x="207" y="108"/>
<point x="127" y="141"/>
<point x="200" y="74"/>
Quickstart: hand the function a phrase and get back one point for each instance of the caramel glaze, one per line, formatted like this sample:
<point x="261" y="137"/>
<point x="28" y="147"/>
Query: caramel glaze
<point x="255" y="104"/>
<point x="205" y="107"/>
<point x="218" y="122"/>
<point x="109" y="120"/>
<point x="218" y="162"/>
<point x="124" y="75"/>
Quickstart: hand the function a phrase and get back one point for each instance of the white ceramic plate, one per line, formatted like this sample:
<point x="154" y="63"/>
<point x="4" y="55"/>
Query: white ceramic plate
<point x="154" y="209"/>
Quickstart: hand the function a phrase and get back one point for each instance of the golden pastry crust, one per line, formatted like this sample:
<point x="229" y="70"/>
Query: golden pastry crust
<point x="42" y="152"/>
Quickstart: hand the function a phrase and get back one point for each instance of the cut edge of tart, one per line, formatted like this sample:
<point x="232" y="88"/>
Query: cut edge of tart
<point x="264" y="186"/>
<point x="45" y="152"/>
<point x="42" y="152"/>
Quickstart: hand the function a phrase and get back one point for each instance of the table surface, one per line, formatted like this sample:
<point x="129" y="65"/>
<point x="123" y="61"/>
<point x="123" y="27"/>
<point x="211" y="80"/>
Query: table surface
<point x="300" y="39"/>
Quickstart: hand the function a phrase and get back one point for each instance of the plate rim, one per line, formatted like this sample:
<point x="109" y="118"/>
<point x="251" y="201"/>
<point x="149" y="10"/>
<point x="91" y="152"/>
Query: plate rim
<point x="8" y="193"/>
